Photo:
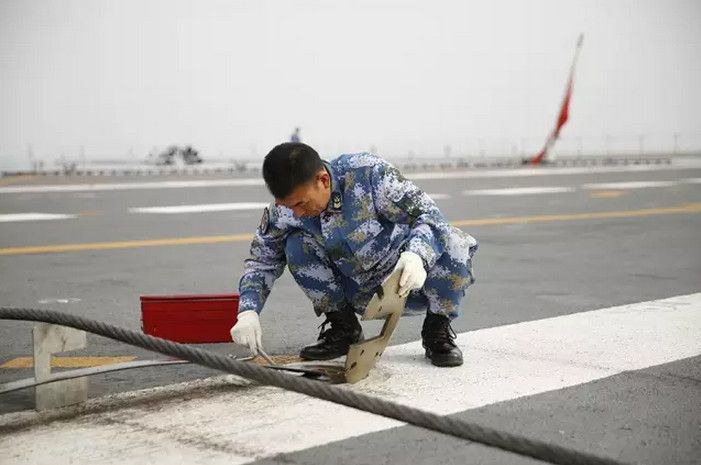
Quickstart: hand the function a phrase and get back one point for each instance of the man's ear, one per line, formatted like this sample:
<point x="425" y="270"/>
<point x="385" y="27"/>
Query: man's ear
<point x="324" y="178"/>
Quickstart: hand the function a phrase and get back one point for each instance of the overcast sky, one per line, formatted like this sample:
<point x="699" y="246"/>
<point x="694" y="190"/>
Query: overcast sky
<point x="235" y="77"/>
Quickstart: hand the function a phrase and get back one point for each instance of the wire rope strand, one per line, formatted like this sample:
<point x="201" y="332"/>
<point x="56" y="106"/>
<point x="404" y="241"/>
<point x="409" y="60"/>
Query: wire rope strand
<point x="447" y="425"/>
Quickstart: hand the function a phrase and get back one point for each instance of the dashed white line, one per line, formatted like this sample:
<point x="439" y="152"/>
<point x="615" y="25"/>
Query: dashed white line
<point x="13" y="217"/>
<point x="519" y="191"/>
<point x="588" y="186"/>
<point x="527" y="172"/>
<point x="132" y="186"/>
<point x="212" y="207"/>
<point x="629" y="185"/>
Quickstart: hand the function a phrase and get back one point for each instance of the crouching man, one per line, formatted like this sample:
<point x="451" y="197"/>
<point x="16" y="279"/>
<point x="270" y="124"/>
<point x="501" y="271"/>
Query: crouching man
<point x="342" y="227"/>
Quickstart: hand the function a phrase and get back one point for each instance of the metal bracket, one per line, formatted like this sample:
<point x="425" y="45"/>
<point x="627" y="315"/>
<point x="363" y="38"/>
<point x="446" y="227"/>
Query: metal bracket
<point x="385" y="304"/>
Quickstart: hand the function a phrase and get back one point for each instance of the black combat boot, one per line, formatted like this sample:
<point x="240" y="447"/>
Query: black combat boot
<point x="438" y="339"/>
<point x="335" y="341"/>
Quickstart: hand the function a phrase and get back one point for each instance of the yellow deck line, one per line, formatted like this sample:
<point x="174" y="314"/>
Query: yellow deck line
<point x="69" y="362"/>
<point x="125" y="244"/>
<point x="680" y="209"/>
<point x="606" y="194"/>
<point x="62" y="248"/>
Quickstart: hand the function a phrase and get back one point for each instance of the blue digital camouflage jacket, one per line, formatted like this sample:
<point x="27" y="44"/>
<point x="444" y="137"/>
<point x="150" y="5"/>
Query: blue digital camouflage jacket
<point x="372" y="210"/>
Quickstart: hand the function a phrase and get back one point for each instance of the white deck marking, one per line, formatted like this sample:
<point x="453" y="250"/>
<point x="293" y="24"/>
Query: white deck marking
<point x="629" y="185"/>
<point x="548" y="171"/>
<point x="132" y="186"/>
<point x="519" y="191"/>
<point x="456" y="174"/>
<point x="501" y="364"/>
<point x="13" y="217"/>
<point x="211" y="207"/>
<point x="438" y="196"/>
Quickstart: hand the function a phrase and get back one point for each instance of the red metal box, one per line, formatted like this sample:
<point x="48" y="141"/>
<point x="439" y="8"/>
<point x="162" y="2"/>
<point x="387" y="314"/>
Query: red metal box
<point x="190" y="318"/>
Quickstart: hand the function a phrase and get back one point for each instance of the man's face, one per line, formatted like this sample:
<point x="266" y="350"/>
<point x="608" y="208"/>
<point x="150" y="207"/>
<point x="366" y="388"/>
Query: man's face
<point x="309" y="199"/>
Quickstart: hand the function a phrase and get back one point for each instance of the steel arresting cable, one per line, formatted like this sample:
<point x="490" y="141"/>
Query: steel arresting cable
<point x="447" y="425"/>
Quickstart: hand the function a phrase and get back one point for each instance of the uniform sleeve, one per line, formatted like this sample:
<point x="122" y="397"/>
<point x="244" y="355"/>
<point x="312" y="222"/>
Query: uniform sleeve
<point x="266" y="262"/>
<point x="400" y="201"/>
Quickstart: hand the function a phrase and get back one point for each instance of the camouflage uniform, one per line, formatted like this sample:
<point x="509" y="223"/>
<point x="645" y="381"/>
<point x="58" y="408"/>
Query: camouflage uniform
<point x="341" y="256"/>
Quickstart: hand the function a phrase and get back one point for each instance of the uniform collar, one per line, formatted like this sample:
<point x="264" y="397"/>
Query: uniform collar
<point x="336" y="200"/>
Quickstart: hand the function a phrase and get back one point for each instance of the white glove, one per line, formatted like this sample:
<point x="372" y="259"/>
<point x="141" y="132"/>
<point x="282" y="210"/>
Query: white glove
<point x="247" y="331"/>
<point x="413" y="274"/>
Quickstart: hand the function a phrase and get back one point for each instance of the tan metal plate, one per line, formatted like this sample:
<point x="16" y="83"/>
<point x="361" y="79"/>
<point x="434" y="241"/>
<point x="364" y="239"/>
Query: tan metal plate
<point x="385" y="304"/>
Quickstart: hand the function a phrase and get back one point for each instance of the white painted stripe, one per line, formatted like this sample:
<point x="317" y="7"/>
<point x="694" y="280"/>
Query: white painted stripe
<point x="501" y="364"/>
<point x="692" y="181"/>
<point x="464" y="174"/>
<point x="438" y="196"/>
<point x="211" y="207"/>
<point x="519" y="191"/>
<point x="132" y="186"/>
<point x="629" y="185"/>
<point x="12" y="217"/>
<point x="548" y="171"/>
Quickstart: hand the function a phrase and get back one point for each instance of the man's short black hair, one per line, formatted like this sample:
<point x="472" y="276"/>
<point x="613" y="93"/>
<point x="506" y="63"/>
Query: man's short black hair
<point x="288" y="166"/>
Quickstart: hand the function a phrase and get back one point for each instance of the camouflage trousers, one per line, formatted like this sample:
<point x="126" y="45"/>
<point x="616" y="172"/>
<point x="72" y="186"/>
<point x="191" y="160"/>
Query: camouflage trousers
<point x="329" y="290"/>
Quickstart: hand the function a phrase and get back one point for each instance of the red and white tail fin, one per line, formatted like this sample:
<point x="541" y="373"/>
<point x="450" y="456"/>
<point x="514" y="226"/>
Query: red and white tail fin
<point x="564" y="114"/>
